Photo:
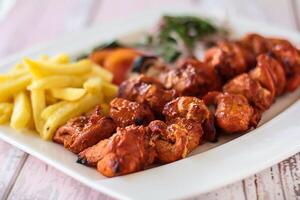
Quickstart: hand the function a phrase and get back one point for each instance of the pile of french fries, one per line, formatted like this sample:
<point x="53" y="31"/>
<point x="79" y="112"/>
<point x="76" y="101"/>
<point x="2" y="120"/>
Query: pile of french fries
<point x="44" y="94"/>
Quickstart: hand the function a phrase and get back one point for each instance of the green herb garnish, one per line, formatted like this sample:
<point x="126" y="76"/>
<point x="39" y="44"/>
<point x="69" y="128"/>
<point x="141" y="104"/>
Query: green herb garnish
<point x="178" y="33"/>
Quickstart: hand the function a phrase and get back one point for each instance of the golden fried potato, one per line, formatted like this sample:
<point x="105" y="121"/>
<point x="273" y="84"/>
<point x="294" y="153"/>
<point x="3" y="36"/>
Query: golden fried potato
<point x="5" y="112"/>
<point x="68" y="94"/>
<point x="43" y="68"/>
<point x="59" y="81"/>
<point x="38" y="102"/>
<point x="22" y="113"/>
<point x="14" y="86"/>
<point x="68" y="111"/>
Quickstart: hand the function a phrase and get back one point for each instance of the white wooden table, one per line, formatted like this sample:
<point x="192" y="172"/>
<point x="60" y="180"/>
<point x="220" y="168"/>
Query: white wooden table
<point x="26" y="23"/>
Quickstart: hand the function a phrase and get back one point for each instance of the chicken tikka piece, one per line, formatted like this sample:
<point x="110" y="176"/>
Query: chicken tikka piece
<point x="84" y="131"/>
<point x="129" y="150"/>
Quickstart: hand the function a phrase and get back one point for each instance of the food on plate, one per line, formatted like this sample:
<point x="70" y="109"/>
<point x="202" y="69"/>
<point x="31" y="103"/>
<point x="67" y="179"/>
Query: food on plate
<point x="125" y="113"/>
<point x="233" y="113"/>
<point x="229" y="59"/>
<point x="5" y="112"/>
<point x="178" y="36"/>
<point x="117" y="60"/>
<point x="22" y="114"/>
<point x="191" y="78"/>
<point x="44" y="94"/>
<point x="175" y="140"/>
<point x="167" y="100"/>
<point x="85" y="131"/>
<point x="167" y="115"/>
<point x="129" y="150"/>
<point x="146" y="90"/>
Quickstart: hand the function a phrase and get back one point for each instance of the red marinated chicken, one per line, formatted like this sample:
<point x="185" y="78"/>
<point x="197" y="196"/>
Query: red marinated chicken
<point x="85" y="131"/>
<point x="125" y="112"/>
<point x="146" y="90"/>
<point x="128" y="150"/>
<point x="229" y="59"/>
<point x="194" y="109"/>
<point x="233" y="113"/>
<point x="251" y="89"/>
<point x="174" y="142"/>
<point x="191" y="78"/>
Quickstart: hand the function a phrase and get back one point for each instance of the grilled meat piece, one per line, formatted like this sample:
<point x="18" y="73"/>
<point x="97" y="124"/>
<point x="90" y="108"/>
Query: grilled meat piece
<point x="125" y="112"/>
<point x="255" y="43"/>
<point x="84" y="131"/>
<point x="146" y="90"/>
<point x="191" y="78"/>
<point x="191" y="108"/>
<point x="186" y="107"/>
<point x="251" y="89"/>
<point x="229" y="59"/>
<point x="128" y="150"/>
<point x="233" y="112"/>
<point x="176" y="140"/>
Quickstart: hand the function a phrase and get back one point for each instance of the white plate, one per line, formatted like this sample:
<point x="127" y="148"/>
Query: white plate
<point x="201" y="172"/>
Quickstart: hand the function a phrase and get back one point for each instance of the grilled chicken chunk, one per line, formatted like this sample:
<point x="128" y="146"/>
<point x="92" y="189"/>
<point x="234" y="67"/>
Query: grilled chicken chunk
<point x="129" y="150"/>
<point x="84" y="131"/>
<point x="125" y="112"/>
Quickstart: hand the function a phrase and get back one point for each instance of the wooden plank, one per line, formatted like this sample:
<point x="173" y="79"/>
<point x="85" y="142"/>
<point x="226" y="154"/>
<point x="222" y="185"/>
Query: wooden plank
<point x="37" y="180"/>
<point x="11" y="160"/>
<point x="265" y="185"/>
<point x="290" y="176"/>
<point x="233" y="191"/>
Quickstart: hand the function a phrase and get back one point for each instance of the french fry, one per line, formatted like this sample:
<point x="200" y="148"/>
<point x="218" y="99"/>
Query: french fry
<point x="5" y="112"/>
<point x="59" y="81"/>
<point x="38" y="101"/>
<point x="68" y="94"/>
<point x="48" y="92"/>
<point x="13" y="86"/>
<point x="21" y="114"/>
<point x="61" y="59"/>
<point x="70" y="110"/>
<point x="104" y="74"/>
<point x="50" y="99"/>
<point x="43" y="68"/>
<point x="93" y="85"/>
<point x="13" y="75"/>
<point x="48" y="111"/>
<point x="110" y="91"/>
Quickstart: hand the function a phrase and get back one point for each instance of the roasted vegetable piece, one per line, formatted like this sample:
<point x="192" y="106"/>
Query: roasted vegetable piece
<point x="84" y="131"/>
<point x="118" y="61"/>
<point x="125" y="112"/>
<point x="176" y="140"/>
<point x="143" y="63"/>
<point x="128" y="150"/>
<point x="191" y="78"/>
<point x="146" y="90"/>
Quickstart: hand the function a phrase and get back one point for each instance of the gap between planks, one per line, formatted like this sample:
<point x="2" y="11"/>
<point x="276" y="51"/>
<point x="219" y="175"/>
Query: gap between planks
<point x="15" y="175"/>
